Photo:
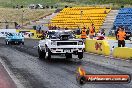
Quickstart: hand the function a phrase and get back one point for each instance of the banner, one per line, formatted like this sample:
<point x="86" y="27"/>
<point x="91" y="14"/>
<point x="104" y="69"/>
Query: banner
<point x="3" y="32"/>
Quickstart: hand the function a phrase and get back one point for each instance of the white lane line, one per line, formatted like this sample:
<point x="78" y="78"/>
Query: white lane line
<point x="13" y="77"/>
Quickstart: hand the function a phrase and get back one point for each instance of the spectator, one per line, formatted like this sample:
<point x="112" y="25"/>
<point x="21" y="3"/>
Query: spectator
<point x="78" y="31"/>
<point x="83" y="34"/>
<point x="58" y="28"/>
<point x="105" y="12"/>
<point x="112" y="32"/>
<point x="39" y="27"/>
<point x="34" y="27"/>
<point x="7" y="26"/>
<point x="103" y="32"/>
<point x="18" y="26"/>
<point x="55" y="27"/>
<point x="116" y="32"/>
<point x="49" y="26"/>
<point x="87" y="31"/>
<point x="42" y="35"/>
<point x="66" y="28"/>
<point x="100" y="36"/>
<point x="91" y="31"/>
<point x="121" y="35"/>
<point x="98" y="33"/>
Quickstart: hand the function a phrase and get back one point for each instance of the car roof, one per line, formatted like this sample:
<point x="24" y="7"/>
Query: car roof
<point x="59" y="30"/>
<point x="15" y="33"/>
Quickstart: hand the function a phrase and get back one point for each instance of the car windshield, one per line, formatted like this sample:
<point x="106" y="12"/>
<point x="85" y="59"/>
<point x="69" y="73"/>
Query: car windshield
<point x="10" y="34"/>
<point x="15" y="34"/>
<point x="55" y="35"/>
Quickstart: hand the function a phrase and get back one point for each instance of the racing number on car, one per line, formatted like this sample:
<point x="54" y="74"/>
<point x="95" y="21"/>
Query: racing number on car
<point x="98" y="46"/>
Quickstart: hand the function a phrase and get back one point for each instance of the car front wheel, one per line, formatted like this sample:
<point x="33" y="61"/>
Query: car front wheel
<point x="80" y="55"/>
<point x="48" y="54"/>
<point x="7" y="43"/>
<point x="41" y="54"/>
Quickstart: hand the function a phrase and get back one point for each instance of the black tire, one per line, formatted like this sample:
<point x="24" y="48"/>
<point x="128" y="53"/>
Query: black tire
<point x="41" y="54"/>
<point x="80" y="55"/>
<point x="22" y="43"/>
<point x="7" y="43"/>
<point x="49" y="55"/>
<point x="68" y="55"/>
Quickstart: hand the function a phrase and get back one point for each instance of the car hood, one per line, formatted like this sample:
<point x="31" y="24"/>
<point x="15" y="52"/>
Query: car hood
<point x="16" y="37"/>
<point x="66" y="40"/>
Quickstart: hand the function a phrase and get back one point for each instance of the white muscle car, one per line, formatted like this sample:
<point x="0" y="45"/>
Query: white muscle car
<point x="59" y="42"/>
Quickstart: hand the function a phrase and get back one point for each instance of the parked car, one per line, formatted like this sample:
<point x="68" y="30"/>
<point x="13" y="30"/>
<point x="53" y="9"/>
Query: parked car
<point x="36" y="6"/>
<point x="14" y="38"/>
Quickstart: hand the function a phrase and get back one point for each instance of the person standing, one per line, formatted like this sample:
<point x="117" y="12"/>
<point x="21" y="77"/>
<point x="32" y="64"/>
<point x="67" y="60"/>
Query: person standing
<point x="100" y="36"/>
<point x="91" y="31"/>
<point x="121" y="37"/>
<point x="116" y="32"/>
<point x="83" y="33"/>
<point x="66" y="28"/>
<point x="78" y="31"/>
<point x="103" y="32"/>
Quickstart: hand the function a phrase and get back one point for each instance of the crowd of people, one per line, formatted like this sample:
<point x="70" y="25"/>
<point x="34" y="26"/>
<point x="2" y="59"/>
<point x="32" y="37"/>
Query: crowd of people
<point x="91" y="33"/>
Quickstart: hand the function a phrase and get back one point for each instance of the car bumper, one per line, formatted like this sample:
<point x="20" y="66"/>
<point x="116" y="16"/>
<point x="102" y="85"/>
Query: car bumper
<point x="15" y="41"/>
<point x="65" y="50"/>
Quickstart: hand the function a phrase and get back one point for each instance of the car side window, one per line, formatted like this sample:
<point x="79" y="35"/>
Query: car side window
<point x="10" y="34"/>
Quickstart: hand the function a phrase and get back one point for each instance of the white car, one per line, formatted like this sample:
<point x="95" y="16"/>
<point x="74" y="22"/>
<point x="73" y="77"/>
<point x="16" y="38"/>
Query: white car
<point x="60" y="42"/>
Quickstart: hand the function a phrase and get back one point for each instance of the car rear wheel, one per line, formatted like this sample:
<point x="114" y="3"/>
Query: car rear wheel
<point x="80" y="55"/>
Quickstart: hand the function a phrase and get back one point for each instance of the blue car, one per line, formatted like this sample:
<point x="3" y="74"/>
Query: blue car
<point x="14" y="38"/>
